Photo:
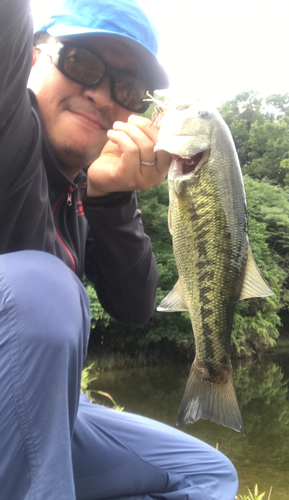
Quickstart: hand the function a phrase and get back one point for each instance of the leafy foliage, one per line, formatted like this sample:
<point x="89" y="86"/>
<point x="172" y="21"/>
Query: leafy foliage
<point x="99" y="317"/>
<point x="89" y="376"/>
<point x="260" y="131"/>
<point x="86" y="379"/>
<point x="255" y="495"/>
<point x="256" y="321"/>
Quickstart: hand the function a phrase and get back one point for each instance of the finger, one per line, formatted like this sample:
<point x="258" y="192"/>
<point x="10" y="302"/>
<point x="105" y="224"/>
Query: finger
<point x="150" y="129"/>
<point x="144" y="143"/>
<point x="136" y="175"/>
<point x="125" y="145"/>
<point x="145" y="125"/>
<point x="146" y="149"/>
<point x="129" y="150"/>
<point x="143" y="130"/>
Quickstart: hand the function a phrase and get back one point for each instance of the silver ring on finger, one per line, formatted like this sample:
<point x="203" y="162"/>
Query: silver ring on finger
<point x="148" y="163"/>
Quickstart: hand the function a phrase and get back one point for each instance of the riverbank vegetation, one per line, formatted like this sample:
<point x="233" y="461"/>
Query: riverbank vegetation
<point x="260" y="129"/>
<point x="255" y="495"/>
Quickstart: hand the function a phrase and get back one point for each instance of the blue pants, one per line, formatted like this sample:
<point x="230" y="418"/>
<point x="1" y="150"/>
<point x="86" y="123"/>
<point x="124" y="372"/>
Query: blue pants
<point x="54" y="446"/>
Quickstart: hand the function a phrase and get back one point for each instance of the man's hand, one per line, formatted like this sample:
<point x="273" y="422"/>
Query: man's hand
<point x="120" y="168"/>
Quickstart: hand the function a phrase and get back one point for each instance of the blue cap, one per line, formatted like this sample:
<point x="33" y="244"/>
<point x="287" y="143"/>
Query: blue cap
<point x="119" y="18"/>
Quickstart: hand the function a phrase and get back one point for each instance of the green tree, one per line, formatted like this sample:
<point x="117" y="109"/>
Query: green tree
<point x="280" y="102"/>
<point x="269" y="146"/>
<point x="239" y="114"/>
<point x="257" y="320"/>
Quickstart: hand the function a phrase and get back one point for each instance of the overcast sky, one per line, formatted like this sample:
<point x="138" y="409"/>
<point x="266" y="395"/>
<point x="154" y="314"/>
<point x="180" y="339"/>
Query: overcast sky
<point x="214" y="49"/>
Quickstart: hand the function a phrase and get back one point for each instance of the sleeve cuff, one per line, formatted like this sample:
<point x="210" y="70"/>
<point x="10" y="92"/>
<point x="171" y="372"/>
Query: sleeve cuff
<point x="118" y="199"/>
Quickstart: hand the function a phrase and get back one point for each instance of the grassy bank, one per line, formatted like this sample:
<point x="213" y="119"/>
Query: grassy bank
<point x="255" y="495"/>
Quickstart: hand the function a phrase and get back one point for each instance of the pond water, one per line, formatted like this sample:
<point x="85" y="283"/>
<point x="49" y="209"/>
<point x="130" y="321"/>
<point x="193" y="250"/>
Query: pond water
<point x="262" y="456"/>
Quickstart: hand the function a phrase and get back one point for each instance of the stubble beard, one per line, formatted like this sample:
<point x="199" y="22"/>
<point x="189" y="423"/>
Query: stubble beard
<point x="72" y="159"/>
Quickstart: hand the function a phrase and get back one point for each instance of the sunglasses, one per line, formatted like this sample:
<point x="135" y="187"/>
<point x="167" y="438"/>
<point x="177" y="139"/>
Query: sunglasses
<point x="88" y="69"/>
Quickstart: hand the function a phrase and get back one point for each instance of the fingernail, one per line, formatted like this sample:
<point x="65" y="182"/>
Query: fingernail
<point x="118" y="125"/>
<point x="133" y="118"/>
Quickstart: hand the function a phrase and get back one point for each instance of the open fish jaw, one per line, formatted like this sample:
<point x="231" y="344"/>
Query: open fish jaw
<point x="185" y="165"/>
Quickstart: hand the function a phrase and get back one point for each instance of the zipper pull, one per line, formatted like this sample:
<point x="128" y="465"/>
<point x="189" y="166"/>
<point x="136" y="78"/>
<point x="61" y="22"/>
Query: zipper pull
<point x="69" y="196"/>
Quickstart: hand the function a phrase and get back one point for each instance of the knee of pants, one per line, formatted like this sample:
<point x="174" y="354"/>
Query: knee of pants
<point x="225" y="483"/>
<point x="43" y="300"/>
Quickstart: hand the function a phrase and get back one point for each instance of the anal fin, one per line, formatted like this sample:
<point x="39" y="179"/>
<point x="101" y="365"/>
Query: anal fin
<point x="174" y="301"/>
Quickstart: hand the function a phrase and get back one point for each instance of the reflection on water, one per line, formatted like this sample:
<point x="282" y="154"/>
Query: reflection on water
<point x="262" y="456"/>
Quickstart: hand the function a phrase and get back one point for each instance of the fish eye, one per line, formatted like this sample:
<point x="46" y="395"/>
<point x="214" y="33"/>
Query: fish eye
<point x="203" y="114"/>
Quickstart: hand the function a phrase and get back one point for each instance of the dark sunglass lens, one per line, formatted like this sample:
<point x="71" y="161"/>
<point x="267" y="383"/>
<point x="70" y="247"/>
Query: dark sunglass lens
<point x="129" y="92"/>
<point x="82" y="66"/>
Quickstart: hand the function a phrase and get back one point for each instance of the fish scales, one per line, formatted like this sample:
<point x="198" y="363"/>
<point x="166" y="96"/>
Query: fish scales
<point x="208" y="223"/>
<point x="206" y="257"/>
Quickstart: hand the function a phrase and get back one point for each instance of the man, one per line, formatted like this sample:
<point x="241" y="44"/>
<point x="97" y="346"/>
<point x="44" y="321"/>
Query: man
<point x="73" y="152"/>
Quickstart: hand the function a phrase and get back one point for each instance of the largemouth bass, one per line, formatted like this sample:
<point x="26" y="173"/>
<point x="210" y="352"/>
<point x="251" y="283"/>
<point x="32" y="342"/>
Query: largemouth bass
<point x="208" y="222"/>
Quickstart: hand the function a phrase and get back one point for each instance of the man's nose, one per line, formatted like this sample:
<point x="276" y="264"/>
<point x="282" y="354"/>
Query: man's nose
<point x="101" y="93"/>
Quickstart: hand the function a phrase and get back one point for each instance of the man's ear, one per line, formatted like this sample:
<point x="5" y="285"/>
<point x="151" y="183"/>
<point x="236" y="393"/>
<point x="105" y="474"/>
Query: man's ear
<point x="36" y="54"/>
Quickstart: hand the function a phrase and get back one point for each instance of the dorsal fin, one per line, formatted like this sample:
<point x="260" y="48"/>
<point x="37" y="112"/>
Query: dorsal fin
<point x="254" y="284"/>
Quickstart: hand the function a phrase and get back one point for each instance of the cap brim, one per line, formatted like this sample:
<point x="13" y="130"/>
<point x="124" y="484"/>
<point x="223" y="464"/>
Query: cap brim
<point x="152" y="72"/>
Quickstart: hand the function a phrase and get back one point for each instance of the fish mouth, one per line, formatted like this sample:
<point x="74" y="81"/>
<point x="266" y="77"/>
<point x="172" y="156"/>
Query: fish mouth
<point x="188" y="164"/>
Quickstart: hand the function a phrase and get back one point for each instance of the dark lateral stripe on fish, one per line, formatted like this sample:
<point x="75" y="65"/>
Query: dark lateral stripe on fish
<point x="202" y="235"/>
<point x="213" y="373"/>
<point x="207" y="275"/>
<point x="201" y="247"/>
<point x="200" y="206"/>
<point x="206" y="300"/>
<point x="204" y="290"/>
<point x="203" y="192"/>
<point x="206" y="312"/>
<point x="203" y="263"/>
<point x="208" y="341"/>
<point x="202" y="228"/>
<point x="197" y="215"/>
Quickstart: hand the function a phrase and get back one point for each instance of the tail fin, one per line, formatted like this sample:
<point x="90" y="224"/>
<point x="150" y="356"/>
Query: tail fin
<point x="210" y="401"/>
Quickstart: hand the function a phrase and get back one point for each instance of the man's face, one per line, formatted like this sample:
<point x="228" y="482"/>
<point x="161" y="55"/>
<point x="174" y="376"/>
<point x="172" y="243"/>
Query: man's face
<point x="76" y="118"/>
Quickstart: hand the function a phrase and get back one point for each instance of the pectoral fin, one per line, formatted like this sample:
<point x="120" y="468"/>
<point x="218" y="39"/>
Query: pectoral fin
<point x="254" y="284"/>
<point x="174" y="301"/>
